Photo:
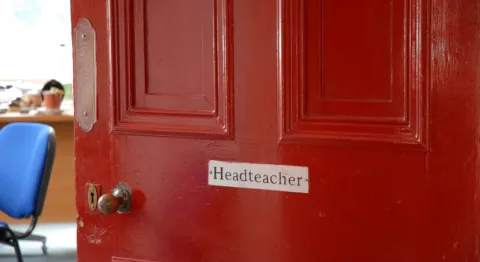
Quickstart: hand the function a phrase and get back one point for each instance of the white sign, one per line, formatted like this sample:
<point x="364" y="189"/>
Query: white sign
<point x="258" y="176"/>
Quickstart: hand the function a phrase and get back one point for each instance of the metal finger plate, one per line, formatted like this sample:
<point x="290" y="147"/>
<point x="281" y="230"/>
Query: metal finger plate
<point x="85" y="78"/>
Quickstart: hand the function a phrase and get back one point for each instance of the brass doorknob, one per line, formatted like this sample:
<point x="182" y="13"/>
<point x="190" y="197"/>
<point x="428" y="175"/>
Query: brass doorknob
<point x="118" y="201"/>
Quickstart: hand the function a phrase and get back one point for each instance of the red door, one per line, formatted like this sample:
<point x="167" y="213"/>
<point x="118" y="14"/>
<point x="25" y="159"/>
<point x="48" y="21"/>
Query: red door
<point x="369" y="110"/>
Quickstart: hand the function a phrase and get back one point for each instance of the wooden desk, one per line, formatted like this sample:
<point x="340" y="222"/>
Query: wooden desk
<point x="60" y="201"/>
<point x="48" y="119"/>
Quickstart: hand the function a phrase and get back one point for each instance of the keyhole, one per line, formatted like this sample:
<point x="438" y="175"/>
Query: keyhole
<point x="92" y="198"/>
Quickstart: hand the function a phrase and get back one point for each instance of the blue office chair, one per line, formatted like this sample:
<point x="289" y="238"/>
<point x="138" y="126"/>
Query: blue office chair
<point x="27" y="153"/>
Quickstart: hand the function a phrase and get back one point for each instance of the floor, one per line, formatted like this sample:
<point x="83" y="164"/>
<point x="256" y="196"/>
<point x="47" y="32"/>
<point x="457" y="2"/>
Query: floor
<point x="61" y="244"/>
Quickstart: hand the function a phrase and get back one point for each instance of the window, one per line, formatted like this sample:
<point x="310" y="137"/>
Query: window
<point x="35" y="43"/>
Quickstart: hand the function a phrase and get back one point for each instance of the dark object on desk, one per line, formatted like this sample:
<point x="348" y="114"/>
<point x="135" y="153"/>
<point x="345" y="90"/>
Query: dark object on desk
<point x="25" y="171"/>
<point x="24" y="110"/>
<point x="51" y="84"/>
<point x="16" y="102"/>
<point x="15" y="105"/>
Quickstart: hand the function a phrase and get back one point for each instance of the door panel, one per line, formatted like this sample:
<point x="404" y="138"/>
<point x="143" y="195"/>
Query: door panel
<point x="379" y="99"/>
<point x="336" y="40"/>
<point x="172" y="70"/>
<point x="367" y="83"/>
<point x="356" y="71"/>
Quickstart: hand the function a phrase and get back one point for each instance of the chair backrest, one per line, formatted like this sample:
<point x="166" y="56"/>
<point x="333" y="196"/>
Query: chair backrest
<point x="27" y="152"/>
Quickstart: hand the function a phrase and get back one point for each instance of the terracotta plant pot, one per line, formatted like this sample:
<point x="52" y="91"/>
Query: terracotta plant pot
<point x="52" y="101"/>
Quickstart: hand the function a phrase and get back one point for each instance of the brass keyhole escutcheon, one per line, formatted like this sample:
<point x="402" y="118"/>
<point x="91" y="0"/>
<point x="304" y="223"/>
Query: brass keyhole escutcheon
<point x="92" y="197"/>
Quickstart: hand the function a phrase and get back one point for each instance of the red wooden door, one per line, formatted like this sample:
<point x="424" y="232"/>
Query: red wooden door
<point x="378" y="99"/>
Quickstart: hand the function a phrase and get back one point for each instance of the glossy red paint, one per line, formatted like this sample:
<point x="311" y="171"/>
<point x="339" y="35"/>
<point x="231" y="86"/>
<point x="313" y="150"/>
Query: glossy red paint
<point x="380" y="99"/>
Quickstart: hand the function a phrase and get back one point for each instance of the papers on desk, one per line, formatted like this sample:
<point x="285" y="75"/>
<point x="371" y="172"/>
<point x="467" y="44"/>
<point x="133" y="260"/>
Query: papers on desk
<point x="8" y="95"/>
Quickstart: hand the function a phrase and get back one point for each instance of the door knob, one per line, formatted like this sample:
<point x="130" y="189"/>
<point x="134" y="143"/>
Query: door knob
<point x="118" y="201"/>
